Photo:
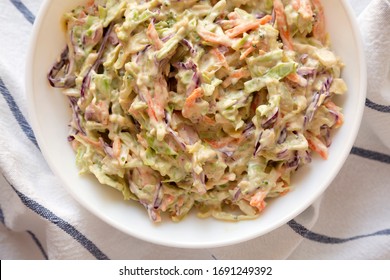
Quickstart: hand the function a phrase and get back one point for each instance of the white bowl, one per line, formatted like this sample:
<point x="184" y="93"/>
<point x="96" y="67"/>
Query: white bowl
<point x="49" y="115"/>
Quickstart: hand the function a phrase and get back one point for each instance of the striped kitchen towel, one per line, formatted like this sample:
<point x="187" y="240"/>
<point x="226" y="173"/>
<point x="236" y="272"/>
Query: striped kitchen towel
<point x="40" y="220"/>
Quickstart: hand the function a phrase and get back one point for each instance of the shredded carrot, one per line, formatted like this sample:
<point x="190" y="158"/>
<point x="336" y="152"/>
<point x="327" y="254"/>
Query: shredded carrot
<point x="340" y="117"/>
<point x="191" y="99"/>
<point x="316" y="145"/>
<point x="168" y="199"/>
<point x="228" y="24"/>
<point x="90" y="3"/>
<point x="265" y="19"/>
<point x="153" y="36"/>
<point x="220" y="57"/>
<point x="214" y="38"/>
<point x="233" y="15"/>
<point x="116" y="146"/>
<point x="236" y="74"/>
<point x="96" y="144"/>
<point x="160" y="97"/>
<point x="295" y="78"/>
<point x="257" y="200"/>
<point x="282" y="25"/>
<point x="247" y="52"/>
<point x="217" y="144"/>
<point x="319" y="25"/>
<point x="223" y="142"/>
<point x="208" y="120"/>
<point x="151" y="112"/>
<point x="245" y="26"/>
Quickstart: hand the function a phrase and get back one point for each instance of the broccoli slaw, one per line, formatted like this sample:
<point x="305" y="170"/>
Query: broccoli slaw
<point x="199" y="104"/>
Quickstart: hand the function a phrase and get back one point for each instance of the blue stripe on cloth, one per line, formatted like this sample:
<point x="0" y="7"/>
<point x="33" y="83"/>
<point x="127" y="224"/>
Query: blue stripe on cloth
<point x="34" y="238"/>
<point x="38" y="243"/>
<point x="2" y="216"/>
<point x="24" y="125"/>
<point x="24" y="10"/>
<point x="377" y="107"/>
<point x="321" y="238"/>
<point x="384" y="158"/>
<point x="62" y="224"/>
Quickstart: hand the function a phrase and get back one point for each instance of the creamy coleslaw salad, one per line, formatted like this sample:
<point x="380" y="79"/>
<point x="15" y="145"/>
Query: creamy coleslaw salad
<point x="212" y="105"/>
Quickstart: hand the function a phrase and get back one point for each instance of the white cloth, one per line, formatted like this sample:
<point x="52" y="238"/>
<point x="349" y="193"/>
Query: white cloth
<point x="39" y="219"/>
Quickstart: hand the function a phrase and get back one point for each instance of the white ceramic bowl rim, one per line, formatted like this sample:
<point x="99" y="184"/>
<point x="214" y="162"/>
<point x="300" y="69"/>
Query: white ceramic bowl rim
<point x="49" y="118"/>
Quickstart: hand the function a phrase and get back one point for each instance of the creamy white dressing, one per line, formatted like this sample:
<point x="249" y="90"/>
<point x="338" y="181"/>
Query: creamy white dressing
<point x="186" y="104"/>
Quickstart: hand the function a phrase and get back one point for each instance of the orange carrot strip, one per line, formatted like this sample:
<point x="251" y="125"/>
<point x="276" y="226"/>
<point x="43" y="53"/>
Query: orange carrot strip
<point x="257" y="200"/>
<point x="282" y="25"/>
<point x="236" y="74"/>
<point x="208" y="120"/>
<point x="317" y="146"/>
<point x="319" y="25"/>
<point x="265" y="19"/>
<point x="245" y="26"/>
<point x="228" y="24"/>
<point x="116" y="146"/>
<point x="295" y="78"/>
<point x="153" y="36"/>
<point x="305" y="9"/>
<point x="340" y="117"/>
<point x="246" y="52"/>
<point x="220" y="57"/>
<point x="233" y="15"/>
<point x="214" y="38"/>
<point x="96" y="144"/>
<point x="190" y="100"/>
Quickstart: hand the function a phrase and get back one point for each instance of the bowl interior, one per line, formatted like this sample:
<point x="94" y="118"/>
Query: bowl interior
<point x="50" y="115"/>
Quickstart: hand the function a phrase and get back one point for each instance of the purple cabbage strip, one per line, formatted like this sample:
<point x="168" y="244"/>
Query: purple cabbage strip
<point x="223" y="49"/>
<point x="257" y="144"/>
<point x="69" y="80"/>
<point x="294" y="162"/>
<point x="201" y="178"/>
<point x="190" y="47"/>
<point x="166" y="38"/>
<point x="260" y="15"/>
<point x="271" y="120"/>
<point x="313" y="106"/>
<point x="248" y="130"/>
<point x="307" y="157"/>
<point x="173" y="133"/>
<point x="229" y="152"/>
<point x="151" y="212"/>
<point x="76" y="113"/>
<point x="95" y="65"/>
<point x="195" y="82"/>
<point x="107" y="148"/>
<point x="140" y="53"/>
<point x="282" y="154"/>
<point x="273" y="20"/>
<point x="306" y="71"/>
<point x="325" y="133"/>
<point x="236" y="194"/>
<point x="158" y="196"/>
<point x="190" y="65"/>
<point x="282" y="136"/>
<point x="335" y="115"/>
